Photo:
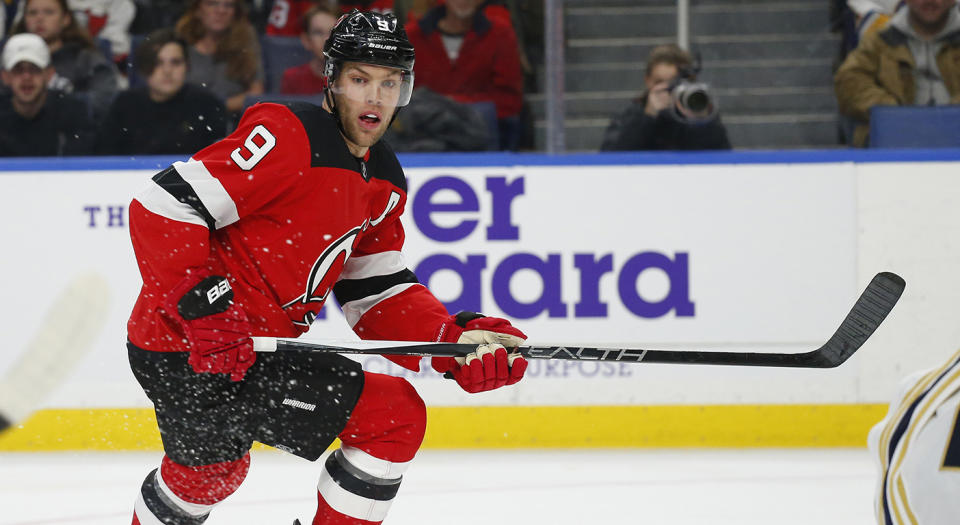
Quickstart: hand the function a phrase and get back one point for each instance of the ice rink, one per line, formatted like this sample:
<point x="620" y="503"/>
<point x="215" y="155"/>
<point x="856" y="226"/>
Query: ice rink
<point x="675" y="487"/>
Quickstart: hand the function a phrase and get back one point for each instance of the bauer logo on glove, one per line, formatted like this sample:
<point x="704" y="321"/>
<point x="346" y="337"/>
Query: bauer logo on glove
<point x="491" y="365"/>
<point x="217" y="292"/>
<point x="216" y="329"/>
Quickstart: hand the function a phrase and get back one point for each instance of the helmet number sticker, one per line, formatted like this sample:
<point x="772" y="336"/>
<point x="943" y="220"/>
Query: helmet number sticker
<point x="257" y="151"/>
<point x="384" y="25"/>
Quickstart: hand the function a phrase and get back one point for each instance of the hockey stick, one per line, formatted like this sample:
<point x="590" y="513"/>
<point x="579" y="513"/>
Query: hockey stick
<point x="876" y="301"/>
<point x="66" y="334"/>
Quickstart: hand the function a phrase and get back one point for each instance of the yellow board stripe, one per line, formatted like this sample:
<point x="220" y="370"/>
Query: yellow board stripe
<point x="515" y="427"/>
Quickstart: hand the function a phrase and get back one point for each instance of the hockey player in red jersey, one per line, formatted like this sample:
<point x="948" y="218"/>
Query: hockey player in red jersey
<point x="249" y="237"/>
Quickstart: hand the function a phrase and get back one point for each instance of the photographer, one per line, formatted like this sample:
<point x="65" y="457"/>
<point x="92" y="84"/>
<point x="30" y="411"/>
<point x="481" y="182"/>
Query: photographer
<point x="673" y="113"/>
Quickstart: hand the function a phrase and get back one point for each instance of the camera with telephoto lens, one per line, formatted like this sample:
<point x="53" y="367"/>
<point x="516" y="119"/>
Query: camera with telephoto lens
<point x="693" y="100"/>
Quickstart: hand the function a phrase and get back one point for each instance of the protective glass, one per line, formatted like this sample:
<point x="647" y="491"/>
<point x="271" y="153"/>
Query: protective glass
<point x="374" y="85"/>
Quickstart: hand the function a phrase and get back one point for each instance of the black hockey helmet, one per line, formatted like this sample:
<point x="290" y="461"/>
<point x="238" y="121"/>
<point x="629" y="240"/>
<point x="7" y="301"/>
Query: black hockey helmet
<point x="370" y="38"/>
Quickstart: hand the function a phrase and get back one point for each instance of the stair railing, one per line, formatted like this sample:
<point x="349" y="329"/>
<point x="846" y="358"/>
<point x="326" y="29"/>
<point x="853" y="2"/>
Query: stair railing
<point x="555" y="73"/>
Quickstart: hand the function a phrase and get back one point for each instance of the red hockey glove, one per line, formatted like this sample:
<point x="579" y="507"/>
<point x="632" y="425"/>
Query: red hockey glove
<point x="216" y="329"/>
<point x="491" y="366"/>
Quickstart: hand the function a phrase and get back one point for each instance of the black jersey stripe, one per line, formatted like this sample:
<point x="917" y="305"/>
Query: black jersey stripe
<point x="348" y="290"/>
<point x="951" y="458"/>
<point x="328" y="149"/>
<point x="371" y="488"/>
<point x="162" y="508"/>
<point x="172" y="182"/>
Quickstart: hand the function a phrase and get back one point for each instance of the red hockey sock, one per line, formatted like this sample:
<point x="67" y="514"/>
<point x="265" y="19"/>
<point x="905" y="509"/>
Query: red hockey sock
<point x="360" y="480"/>
<point x="356" y="488"/>
<point x="185" y="495"/>
<point x="327" y="516"/>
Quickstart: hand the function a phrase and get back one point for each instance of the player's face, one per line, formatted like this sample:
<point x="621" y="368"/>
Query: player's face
<point x="170" y="74"/>
<point x="45" y="18"/>
<point x="216" y="15"/>
<point x="320" y="26"/>
<point x="366" y="97"/>
<point x="27" y="82"/>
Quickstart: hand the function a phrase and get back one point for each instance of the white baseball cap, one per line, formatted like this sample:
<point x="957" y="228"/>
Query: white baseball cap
<point x="26" y="47"/>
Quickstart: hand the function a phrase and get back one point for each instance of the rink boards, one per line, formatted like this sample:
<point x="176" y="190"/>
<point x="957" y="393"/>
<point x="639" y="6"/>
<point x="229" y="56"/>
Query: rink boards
<point x="734" y="251"/>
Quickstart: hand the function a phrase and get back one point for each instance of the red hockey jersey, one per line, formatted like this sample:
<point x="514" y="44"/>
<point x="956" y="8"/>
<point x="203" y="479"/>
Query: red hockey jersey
<point x="284" y="211"/>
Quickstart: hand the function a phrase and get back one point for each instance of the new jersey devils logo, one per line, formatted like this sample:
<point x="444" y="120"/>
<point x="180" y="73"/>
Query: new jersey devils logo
<point x="328" y="266"/>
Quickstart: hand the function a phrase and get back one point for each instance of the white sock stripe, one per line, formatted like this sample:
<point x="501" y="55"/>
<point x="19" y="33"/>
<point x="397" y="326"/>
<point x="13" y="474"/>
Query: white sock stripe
<point x="348" y="503"/>
<point x="372" y="465"/>
<point x="193" y="509"/>
<point x="144" y="515"/>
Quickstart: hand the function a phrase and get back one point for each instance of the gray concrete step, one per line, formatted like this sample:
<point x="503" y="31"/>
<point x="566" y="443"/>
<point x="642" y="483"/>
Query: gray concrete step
<point x="658" y="20"/>
<point x="711" y="47"/>
<point x="600" y="104"/>
<point x="769" y="62"/>
<point x="621" y="3"/>
<point x="782" y="131"/>
<point x="623" y="76"/>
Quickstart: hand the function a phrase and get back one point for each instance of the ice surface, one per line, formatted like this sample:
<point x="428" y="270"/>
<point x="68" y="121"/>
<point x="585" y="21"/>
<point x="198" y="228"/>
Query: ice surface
<point x="670" y="487"/>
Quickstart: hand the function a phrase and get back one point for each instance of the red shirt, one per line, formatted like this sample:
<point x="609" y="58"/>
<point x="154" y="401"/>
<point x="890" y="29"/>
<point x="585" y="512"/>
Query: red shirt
<point x="487" y="68"/>
<point x="301" y="80"/>
<point x="285" y="15"/>
<point x="284" y="211"/>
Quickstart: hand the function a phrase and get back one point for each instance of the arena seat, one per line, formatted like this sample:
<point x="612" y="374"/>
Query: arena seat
<point x="915" y="126"/>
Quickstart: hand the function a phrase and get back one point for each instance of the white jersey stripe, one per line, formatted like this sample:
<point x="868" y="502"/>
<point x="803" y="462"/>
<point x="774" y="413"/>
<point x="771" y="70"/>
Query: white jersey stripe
<point x="348" y="503"/>
<point x="354" y="310"/>
<point x="384" y="263"/>
<point x="157" y="200"/>
<point x="376" y="467"/>
<point x="210" y="191"/>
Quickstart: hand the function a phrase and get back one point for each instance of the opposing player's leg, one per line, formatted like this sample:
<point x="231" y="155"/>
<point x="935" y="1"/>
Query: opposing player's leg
<point x="360" y="479"/>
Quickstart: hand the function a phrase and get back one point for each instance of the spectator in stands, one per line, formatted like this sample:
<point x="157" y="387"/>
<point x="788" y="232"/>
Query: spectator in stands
<point x="105" y="19"/>
<point x="168" y="115"/>
<point x="224" y="51"/>
<point x="286" y="16"/>
<point x="657" y="120"/>
<point x="38" y="122"/>
<point x="156" y="14"/>
<point x="81" y="69"/>
<point x="465" y="55"/>
<point x="8" y="12"/>
<point x="871" y="15"/>
<point x="109" y="20"/>
<point x="915" y="60"/>
<point x="308" y="79"/>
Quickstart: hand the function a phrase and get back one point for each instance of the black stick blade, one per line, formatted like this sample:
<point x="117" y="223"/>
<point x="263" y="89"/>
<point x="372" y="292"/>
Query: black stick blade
<point x="873" y="306"/>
